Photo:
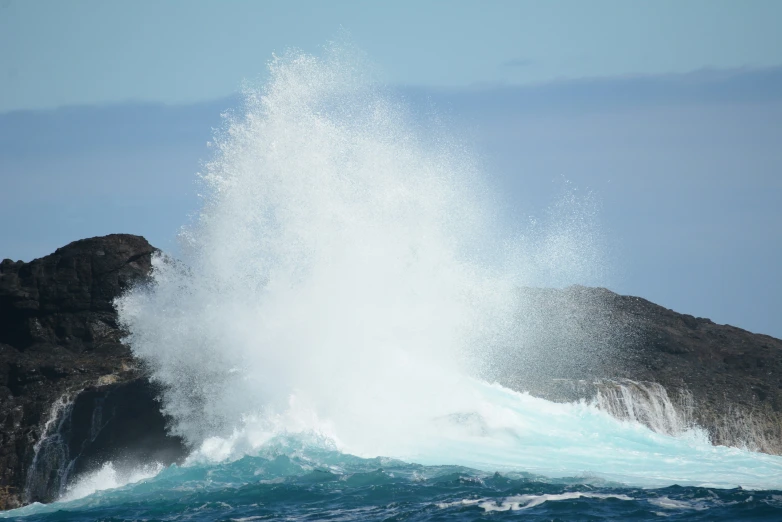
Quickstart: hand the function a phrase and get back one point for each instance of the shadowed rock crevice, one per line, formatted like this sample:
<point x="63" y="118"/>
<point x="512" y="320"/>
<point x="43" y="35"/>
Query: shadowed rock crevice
<point x="119" y="423"/>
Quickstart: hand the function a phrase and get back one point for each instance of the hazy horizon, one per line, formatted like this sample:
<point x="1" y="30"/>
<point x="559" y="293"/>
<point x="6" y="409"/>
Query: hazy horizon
<point x="685" y="168"/>
<point x="669" y="113"/>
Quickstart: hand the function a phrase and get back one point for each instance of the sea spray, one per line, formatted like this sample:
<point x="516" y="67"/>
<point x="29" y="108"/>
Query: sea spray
<point x="51" y="464"/>
<point x="345" y="282"/>
<point x="647" y="403"/>
<point x="337" y="258"/>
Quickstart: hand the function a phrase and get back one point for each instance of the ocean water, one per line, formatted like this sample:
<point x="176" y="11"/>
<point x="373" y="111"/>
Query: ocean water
<point x="329" y="339"/>
<point x="298" y="478"/>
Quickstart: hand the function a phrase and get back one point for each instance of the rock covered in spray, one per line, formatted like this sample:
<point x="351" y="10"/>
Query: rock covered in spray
<point x="73" y="398"/>
<point x="59" y="335"/>
<point x="593" y="343"/>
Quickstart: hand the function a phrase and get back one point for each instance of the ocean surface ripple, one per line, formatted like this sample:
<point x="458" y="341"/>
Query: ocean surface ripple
<point x="296" y="479"/>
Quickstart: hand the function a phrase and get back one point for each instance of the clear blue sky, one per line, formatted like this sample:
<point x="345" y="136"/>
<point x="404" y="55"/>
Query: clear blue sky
<point x="670" y="111"/>
<point x="98" y="51"/>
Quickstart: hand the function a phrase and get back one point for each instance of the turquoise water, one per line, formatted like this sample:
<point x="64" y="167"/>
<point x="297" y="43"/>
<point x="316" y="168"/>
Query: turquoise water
<point x="512" y="456"/>
<point x="293" y="480"/>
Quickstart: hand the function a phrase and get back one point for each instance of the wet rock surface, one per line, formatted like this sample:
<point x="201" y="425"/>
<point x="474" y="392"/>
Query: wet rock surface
<point x="61" y="358"/>
<point x="730" y="379"/>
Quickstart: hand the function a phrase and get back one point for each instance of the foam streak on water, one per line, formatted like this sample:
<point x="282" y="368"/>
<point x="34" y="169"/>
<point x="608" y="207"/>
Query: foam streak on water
<point x="345" y="280"/>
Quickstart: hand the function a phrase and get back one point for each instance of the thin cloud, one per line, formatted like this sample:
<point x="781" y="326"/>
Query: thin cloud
<point x="695" y="88"/>
<point x="518" y="62"/>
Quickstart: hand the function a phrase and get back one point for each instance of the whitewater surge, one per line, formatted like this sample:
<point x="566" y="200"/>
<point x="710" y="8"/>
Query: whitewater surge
<point x="107" y="477"/>
<point x="295" y="477"/>
<point x="349" y="281"/>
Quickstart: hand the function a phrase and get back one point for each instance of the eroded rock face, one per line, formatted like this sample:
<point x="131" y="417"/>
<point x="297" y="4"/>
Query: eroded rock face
<point x="118" y="423"/>
<point x="735" y="376"/>
<point x="732" y="377"/>
<point x="58" y="336"/>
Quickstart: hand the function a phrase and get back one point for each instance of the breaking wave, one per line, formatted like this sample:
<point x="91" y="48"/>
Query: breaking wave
<point x="350" y="279"/>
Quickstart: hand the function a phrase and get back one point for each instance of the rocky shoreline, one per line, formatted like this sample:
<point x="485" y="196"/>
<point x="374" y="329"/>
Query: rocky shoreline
<point x="721" y="378"/>
<point x="71" y="395"/>
<point x="73" y="398"/>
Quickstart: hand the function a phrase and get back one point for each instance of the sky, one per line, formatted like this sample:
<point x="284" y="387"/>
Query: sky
<point x="670" y="112"/>
<point x="183" y="51"/>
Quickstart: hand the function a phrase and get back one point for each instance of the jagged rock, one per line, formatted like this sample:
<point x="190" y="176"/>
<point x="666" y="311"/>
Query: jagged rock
<point x="587" y="335"/>
<point x="735" y="376"/>
<point x="59" y="336"/>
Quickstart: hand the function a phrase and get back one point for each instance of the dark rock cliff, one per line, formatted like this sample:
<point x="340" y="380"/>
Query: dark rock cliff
<point x="71" y="396"/>
<point x="734" y="376"/>
<point x="578" y="338"/>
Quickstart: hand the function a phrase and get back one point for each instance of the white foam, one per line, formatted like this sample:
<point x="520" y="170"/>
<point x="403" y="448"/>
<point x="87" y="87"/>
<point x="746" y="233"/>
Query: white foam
<point x="529" y="501"/>
<point x="669" y="503"/>
<point x="108" y="477"/>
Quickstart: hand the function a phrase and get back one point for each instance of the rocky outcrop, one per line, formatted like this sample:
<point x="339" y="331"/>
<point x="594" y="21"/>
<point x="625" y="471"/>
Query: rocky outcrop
<point x="734" y="376"/>
<point x="71" y="396"/>
<point x="591" y="339"/>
